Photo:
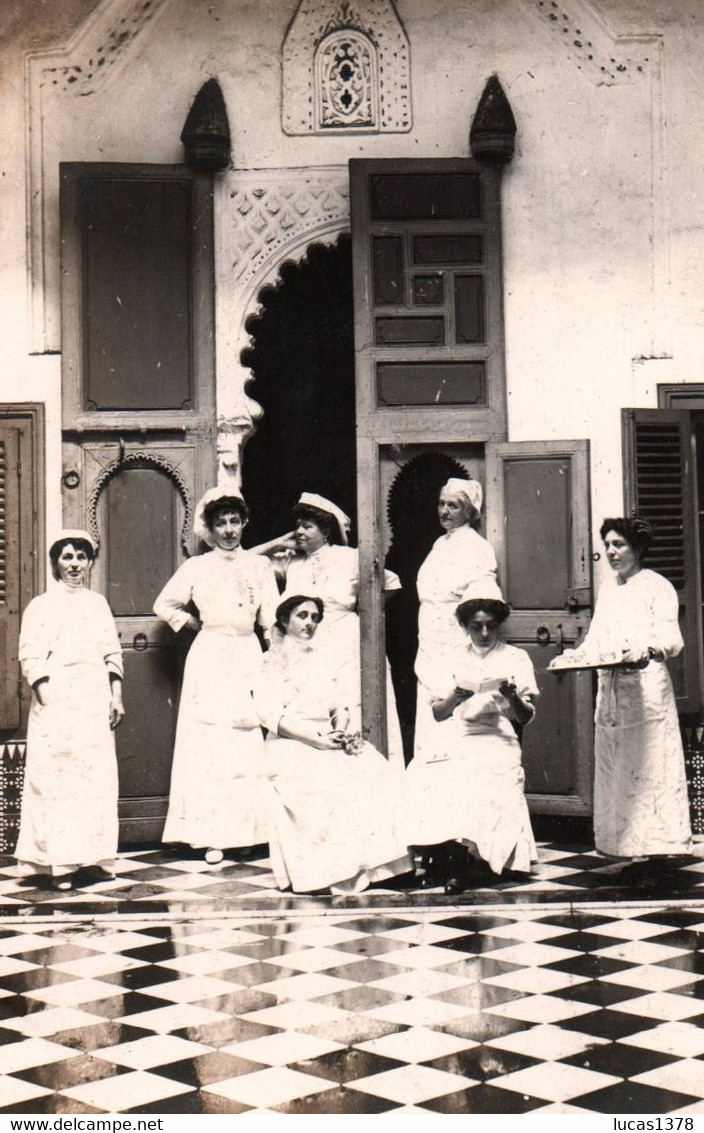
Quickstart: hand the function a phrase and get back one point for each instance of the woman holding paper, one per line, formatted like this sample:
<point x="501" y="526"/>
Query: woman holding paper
<point x="470" y="796"/>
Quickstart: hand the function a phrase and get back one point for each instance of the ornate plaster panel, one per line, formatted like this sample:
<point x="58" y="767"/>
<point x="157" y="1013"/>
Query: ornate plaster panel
<point x="369" y="89"/>
<point x="266" y="218"/>
<point x="605" y="57"/>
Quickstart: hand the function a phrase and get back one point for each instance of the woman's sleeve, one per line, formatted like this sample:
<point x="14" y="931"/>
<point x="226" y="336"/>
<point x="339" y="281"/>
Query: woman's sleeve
<point x="481" y="564"/>
<point x="391" y="580"/>
<point x="269" y="701"/>
<point x="269" y="597"/>
<point x="665" y="614"/>
<point x="171" y="604"/>
<point x="112" y="654"/>
<point x="35" y="644"/>
<point x="524" y="676"/>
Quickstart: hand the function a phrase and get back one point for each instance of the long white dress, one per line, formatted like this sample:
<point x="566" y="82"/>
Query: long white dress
<point x="335" y="818"/>
<point x="472" y="790"/>
<point x="69" y="805"/>
<point x="640" y="786"/>
<point x="332" y="574"/>
<point x="217" y="790"/>
<point x="457" y="560"/>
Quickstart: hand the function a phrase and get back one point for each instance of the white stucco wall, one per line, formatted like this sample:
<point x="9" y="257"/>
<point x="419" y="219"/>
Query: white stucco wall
<point x="603" y="203"/>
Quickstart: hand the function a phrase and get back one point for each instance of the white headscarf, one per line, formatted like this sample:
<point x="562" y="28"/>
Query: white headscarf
<point x="470" y="489"/>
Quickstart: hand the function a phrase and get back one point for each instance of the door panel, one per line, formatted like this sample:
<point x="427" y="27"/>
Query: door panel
<point x="139" y="517"/>
<point x="9" y="577"/>
<point x="138" y="376"/>
<point x="537" y="509"/>
<point x="429" y="342"/>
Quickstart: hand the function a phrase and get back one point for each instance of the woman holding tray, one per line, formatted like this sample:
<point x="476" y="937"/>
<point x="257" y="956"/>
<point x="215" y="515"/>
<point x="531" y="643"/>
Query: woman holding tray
<point x="640" y="790"/>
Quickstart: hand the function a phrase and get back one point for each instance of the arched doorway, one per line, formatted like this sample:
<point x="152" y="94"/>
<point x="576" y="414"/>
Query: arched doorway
<point x="302" y="363"/>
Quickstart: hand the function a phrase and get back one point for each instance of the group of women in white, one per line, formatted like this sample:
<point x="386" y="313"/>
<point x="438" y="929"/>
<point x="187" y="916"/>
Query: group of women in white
<point x="269" y="745"/>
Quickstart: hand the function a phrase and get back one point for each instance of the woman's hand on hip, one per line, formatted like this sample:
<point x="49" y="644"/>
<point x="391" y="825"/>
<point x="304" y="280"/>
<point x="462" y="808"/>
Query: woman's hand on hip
<point x="41" y="691"/>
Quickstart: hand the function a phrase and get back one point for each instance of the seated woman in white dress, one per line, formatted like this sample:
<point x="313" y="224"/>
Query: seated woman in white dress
<point x="335" y="801"/>
<point x="315" y="559"/>
<point x="470" y="796"/>
<point x="217" y="797"/>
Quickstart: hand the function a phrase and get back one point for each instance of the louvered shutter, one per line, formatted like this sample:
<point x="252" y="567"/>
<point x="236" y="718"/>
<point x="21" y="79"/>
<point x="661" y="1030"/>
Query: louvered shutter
<point x="9" y="578"/>
<point x="659" y="487"/>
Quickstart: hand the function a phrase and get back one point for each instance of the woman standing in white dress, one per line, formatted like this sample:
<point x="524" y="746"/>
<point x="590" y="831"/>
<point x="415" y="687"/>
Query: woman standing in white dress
<point x="470" y="796"/>
<point x="336" y="804"/>
<point x="315" y="559"/>
<point x="641" y="806"/>
<point x="71" y="657"/>
<point x="460" y="558"/>
<point x="217" y="791"/>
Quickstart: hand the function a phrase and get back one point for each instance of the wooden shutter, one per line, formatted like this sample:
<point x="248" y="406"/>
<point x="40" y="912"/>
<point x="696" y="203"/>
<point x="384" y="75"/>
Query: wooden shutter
<point x="9" y="577"/>
<point x="537" y="519"/>
<point x="660" y="487"/>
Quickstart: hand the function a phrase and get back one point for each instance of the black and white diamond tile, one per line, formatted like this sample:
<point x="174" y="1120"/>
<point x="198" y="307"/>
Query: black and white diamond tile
<point x="166" y="881"/>
<point x="525" y="1008"/>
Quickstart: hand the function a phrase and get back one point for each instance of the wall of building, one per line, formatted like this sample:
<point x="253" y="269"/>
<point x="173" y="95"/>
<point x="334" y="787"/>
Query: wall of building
<point x="603" y="202"/>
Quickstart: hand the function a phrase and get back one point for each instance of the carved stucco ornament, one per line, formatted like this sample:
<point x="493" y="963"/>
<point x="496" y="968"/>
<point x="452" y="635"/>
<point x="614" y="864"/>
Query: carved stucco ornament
<point x="346" y="69"/>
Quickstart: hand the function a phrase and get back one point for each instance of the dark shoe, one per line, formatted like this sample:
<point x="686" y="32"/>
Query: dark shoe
<point x="93" y="875"/>
<point x="454" y="885"/>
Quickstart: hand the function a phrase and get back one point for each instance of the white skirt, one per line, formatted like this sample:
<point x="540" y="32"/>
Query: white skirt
<point x="474" y="795"/>
<point x="218" y="790"/>
<point x="335" y="818"/>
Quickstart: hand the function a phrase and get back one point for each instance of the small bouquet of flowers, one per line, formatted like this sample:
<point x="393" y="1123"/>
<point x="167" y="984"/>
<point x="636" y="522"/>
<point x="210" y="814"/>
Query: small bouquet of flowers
<point x="353" y="743"/>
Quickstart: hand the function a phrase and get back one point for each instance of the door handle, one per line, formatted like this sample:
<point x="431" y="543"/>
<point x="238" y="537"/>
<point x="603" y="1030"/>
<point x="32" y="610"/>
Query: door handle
<point x="542" y="635"/>
<point x="140" y="641"/>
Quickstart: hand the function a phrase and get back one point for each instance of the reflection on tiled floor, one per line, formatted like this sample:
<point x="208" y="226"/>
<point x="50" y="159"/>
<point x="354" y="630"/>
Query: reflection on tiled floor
<point x="178" y="882"/>
<point x="510" y="1009"/>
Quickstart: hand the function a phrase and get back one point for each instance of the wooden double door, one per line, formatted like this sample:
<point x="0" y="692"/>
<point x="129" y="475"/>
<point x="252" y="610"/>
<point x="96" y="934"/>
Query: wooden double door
<point x="139" y="434"/>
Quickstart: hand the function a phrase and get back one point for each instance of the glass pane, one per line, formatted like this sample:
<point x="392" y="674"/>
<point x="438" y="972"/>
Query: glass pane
<point x="141" y="517"/>
<point x="428" y="290"/>
<point x="136" y="295"/>
<point x="431" y="383"/>
<point x="409" y="332"/>
<point x="387" y="257"/>
<point x="469" y="308"/>
<point x="421" y="196"/>
<point x="447" y="249"/>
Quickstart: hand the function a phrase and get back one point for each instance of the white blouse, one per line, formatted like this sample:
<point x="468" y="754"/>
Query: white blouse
<point x="230" y="589"/>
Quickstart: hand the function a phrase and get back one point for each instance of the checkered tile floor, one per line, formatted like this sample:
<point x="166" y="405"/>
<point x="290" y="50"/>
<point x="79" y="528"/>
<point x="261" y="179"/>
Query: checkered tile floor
<point x="179" y="882"/>
<point x="574" y="1008"/>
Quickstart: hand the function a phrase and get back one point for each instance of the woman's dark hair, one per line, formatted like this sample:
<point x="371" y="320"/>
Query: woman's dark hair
<point x="57" y="547"/>
<point x="225" y="503"/>
<point x="286" y="608"/>
<point x="637" y="532"/>
<point x="325" y="521"/>
<point x="491" y="606"/>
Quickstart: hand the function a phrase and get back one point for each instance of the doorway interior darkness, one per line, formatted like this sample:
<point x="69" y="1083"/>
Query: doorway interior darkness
<point x="303" y="375"/>
<point x="302" y="363"/>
